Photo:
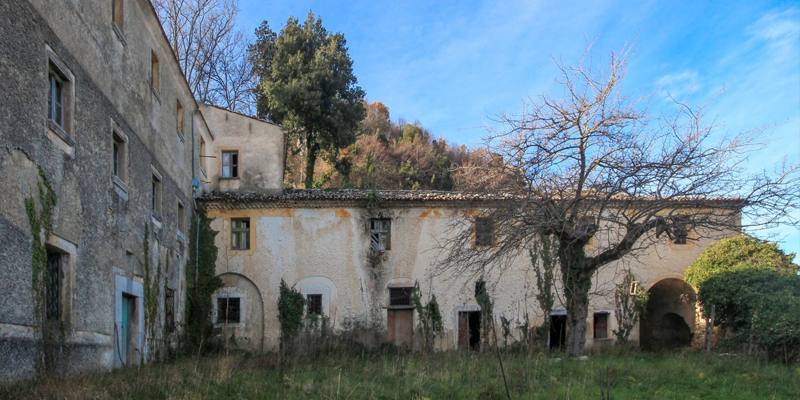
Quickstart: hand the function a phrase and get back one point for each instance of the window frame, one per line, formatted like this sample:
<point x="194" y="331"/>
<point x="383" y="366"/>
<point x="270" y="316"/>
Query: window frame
<point x="220" y="313"/>
<point x="180" y="218"/>
<point x="118" y="15"/>
<point x="234" y="164"/>
<point x="401" y="293"/>
<point x="54" y="313"/>
<point x="484" y="226"/>
<point x="180" y="120"/>
<point x="316" y="303"/>
<point x="239" y="231"/>
<point x="156" y="194"/>
<point x="155" y="73"/>
<point x="60" y="132"/>
<point x="169" y="309"/>
<point x="380" y="234"/>
<point x="605" y="320"/>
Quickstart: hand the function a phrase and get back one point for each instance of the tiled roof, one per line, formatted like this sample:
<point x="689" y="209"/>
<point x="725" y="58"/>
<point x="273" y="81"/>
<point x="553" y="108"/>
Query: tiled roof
<point x="364" y="197"/>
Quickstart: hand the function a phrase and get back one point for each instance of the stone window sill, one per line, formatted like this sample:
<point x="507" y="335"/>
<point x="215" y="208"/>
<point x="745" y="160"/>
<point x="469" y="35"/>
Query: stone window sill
<point x="120" y="187"/>
<point x="60" y="133"/>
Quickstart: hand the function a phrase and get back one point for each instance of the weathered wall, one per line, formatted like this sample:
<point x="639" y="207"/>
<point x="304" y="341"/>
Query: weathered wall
<point x="260" y="145"/>
<point x="100" y="222"/>
<point x="324" y="249"/>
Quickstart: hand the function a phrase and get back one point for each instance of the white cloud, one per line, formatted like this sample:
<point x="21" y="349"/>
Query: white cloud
<point x="678" y="85"/>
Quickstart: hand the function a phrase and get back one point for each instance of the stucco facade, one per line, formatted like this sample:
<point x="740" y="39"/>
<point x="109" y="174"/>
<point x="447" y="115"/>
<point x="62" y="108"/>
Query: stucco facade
<point x="322" y="246"/>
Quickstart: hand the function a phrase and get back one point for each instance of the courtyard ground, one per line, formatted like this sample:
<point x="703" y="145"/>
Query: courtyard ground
<point x="448" y="375"/>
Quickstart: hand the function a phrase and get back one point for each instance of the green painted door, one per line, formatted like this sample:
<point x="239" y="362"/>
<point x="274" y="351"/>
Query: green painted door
<point x="125" y="328"/>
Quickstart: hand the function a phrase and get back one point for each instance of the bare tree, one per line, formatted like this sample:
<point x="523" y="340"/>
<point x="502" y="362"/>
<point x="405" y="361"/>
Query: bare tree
<point x="609" y="182"/>
<point x="211" y="54"/>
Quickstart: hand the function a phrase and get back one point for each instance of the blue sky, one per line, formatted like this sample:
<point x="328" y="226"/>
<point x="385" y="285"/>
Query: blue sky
<point x="453" y="65"/>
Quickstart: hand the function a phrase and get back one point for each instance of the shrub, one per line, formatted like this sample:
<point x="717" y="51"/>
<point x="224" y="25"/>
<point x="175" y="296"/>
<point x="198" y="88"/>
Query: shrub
<point x="760" y="307"/>
<point x="291" y="306"/>
<point x="738" y="253"/>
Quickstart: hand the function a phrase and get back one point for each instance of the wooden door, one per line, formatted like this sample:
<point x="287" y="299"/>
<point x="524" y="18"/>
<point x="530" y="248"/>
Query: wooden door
<point x="400" y="326"/>
<point x="463" y="330"/>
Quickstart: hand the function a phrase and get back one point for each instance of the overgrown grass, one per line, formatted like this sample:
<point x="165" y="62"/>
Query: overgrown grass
<point x="435" y="376"/>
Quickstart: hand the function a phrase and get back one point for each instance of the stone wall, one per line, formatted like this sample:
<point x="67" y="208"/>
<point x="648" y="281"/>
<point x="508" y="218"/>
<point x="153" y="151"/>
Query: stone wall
<point x="99" y="221"/>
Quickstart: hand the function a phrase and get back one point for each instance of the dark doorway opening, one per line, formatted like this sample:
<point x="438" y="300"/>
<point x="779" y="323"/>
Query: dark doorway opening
<point x="558" y="332"/>
<point x="669" y="316"/>
<point x="469" y="330"/>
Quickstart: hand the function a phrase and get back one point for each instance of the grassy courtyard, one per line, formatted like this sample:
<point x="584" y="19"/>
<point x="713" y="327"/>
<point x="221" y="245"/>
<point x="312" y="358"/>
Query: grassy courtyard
<point x="436" y="376"/>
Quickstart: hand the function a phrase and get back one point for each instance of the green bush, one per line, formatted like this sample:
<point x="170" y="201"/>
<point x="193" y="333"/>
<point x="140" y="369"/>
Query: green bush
<point x="760" y="307"/>
<point x="291" y="306"/>
<point x="736" y="254"/>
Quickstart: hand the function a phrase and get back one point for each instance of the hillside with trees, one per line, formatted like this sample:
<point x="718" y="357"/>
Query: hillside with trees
<point x="391" y="154"/>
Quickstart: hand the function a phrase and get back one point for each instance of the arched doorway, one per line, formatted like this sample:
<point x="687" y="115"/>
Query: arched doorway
<point x="669" y="317"/>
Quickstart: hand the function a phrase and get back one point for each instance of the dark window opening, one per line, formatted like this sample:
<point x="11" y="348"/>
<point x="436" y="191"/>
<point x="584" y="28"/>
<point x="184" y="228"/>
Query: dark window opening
<point x="56" y="97"/>
<point x="601" y="325"/>
<point x="53" y="283"/>
<point x="228" y="309"/>
<point x="380" y="234"/>
<point x="314" y="304"/>
<point x="480" y="288"/>
<point x="155" y="196"/>
<point x="681" y="234"/>
<point x="400" y="296"/>
<point x="169" y="310"/>
<point x="181" y="217"/>
<point x="240" y="233"/>
<point x="484" y="231"/>
<point x="118" y="148"/>
<point x="230" y="164"/>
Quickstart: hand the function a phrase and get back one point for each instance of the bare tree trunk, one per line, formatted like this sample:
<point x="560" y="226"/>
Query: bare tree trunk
<point x="312" y="149"/>
<point x="577" y="279"/>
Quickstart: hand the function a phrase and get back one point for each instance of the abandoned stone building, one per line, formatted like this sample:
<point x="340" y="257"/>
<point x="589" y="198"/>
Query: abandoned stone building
<point x="105" y="156"/>
<point x="355" y="255"/>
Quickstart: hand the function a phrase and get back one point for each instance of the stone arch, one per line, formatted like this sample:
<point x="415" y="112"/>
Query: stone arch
<point x="251" y="328"/>
<point x="668" y="320"/>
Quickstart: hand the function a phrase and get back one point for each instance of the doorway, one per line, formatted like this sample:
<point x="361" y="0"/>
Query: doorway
<point x="469" y="330"/>
<point x="558" y="332"/>
<point x="126" y="328"/>
<point x="401" y="327"/>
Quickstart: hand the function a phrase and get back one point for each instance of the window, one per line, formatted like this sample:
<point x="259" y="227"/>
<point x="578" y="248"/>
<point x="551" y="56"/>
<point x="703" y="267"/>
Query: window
<point x="228" y="310"/>
<point x="230" y="164"/>
<point x="380" y="234"/>
<point x="314" y="304"/>
<point x="400" y="296"/>
<point x="681" y="234"/>
<point x="240" y="233"/>
<point x="120" y="155"/>
<point x="117" y="6"/>
<point x="202" y="156"/>
<point x="179" y="118"/>
<point x="484" y="231"/>
<point x="56" y="104"/>
<point x="60" y="104"/>
<point x="601" y="325"/>
<point x="53" y="285"/>
<point x="169" y="309"/>
<point x="155" y="196"/>
<point x="155" y="74"/>
<point x="181" y="218"/>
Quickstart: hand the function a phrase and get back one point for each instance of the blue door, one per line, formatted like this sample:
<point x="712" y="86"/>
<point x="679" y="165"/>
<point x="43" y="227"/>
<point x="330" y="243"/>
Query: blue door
<point x="125" y="328"/>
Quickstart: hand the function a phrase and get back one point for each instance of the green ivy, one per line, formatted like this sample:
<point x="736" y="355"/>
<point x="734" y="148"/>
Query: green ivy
<point x="41" y="223"/>
<point x="201" y="283"/>
<point x="291" y="306"/>
<point x="430" y="317"/>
